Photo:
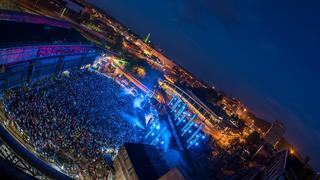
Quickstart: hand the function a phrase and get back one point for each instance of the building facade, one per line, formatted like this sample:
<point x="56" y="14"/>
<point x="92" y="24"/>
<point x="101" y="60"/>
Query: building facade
<point x="141" y="161"/>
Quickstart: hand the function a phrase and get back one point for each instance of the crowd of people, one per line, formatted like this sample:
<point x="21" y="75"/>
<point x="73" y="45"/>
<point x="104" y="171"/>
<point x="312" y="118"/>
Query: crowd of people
<point x="73" y="119"/>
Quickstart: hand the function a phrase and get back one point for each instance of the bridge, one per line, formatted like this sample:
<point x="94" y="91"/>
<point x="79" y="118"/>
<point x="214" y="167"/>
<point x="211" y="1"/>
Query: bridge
<point x="205" y="114"/>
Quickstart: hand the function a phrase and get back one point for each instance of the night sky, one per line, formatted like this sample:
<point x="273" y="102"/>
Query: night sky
<point x="265" y="53"/>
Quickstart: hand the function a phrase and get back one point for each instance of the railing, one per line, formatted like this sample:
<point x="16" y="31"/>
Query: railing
<point x="8" y="155"/>
<point x="194" y="101"/>
<point x="209" y="118"/>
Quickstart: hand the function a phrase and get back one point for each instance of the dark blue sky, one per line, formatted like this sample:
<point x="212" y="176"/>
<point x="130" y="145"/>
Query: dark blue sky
<point x="265" y="53"/>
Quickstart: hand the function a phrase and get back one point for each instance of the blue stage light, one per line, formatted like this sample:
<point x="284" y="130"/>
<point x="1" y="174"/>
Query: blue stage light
<point x="197" y="144"/>
<point x="189" y="131"/>
<point x="203" y="137"/>
<point x="152" y="134"/>
<point x="162" y="142"/>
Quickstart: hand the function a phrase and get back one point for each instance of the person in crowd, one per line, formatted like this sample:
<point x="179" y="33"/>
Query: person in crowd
<point x="71" y="120"/>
